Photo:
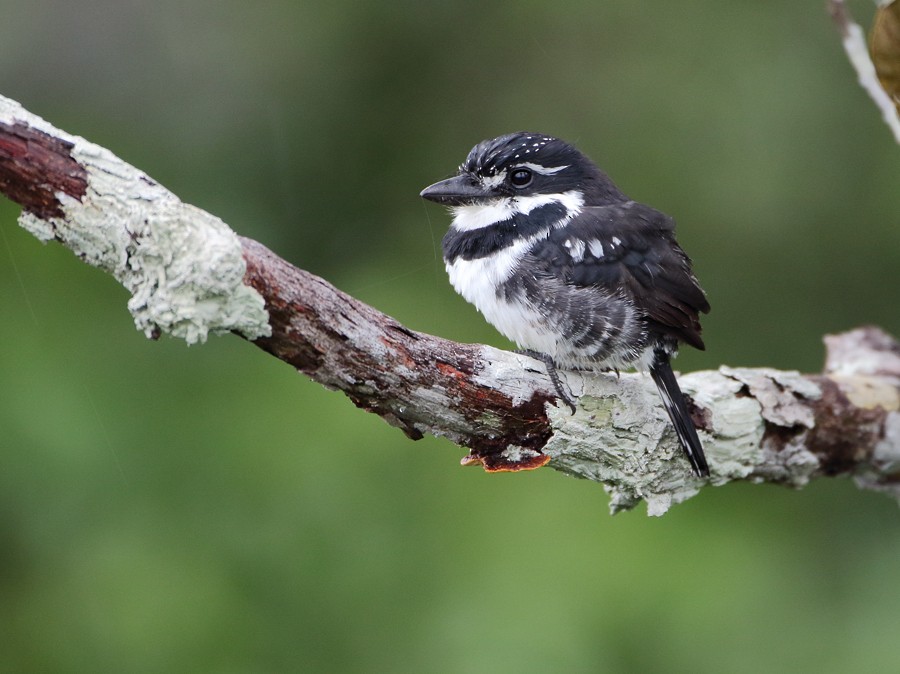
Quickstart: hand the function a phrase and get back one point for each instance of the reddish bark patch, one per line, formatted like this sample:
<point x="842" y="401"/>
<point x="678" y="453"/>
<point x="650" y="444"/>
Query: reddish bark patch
<point x="315" y="329"/>
<point x="35" y="166"/>
<point x="525" y="425"/>
<point x="844" y="434"/>
<point x="700" y="416"/>
<point x="450" y="370"/>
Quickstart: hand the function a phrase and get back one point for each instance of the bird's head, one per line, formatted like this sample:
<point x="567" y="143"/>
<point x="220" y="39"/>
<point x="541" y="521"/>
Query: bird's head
<point x="520" y="165"/>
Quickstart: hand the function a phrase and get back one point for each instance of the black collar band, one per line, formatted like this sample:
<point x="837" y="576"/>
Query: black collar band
<point x="484" y="241"/>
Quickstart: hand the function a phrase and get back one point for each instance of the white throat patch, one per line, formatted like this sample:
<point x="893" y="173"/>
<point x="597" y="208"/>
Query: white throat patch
<point x="477" y="216"/>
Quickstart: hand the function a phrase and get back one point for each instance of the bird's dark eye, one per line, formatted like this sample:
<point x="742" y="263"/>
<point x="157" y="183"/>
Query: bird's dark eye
<point x="520" y="178"/>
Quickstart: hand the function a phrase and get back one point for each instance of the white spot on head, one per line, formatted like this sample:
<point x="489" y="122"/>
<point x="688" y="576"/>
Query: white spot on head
<point x="494" y="180"/>
<point x="616" y="241"/>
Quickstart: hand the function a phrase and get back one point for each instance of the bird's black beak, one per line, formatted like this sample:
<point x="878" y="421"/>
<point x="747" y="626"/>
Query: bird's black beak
<point x="456" y="191"/>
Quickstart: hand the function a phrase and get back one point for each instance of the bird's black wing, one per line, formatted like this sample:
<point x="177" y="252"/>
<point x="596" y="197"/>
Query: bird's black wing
<point x="630" y="249"/>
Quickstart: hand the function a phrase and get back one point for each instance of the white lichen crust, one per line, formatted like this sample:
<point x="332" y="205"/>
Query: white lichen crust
<point x="620" y="436"/>
<point x="183" y="267"/>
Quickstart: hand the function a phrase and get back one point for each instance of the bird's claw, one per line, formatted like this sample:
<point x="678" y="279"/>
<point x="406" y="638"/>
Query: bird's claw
<point x="553" y="373"/>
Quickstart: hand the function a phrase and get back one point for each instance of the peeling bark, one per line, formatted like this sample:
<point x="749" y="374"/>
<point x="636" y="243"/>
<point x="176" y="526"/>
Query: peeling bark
<point x="34" y="166"/>
<point x="190" y="275"/>
<point x="416" y="382"/>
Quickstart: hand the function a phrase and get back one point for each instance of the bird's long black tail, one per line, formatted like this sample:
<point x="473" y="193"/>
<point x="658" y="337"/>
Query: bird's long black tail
<point x="673" y="399"/>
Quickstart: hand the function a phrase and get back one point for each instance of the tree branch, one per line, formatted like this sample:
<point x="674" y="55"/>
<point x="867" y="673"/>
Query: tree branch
<point x="190" y="275"/>
<point x="854" y="40"/>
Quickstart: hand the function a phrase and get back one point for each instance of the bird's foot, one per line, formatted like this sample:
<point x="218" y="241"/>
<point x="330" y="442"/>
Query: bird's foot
<point x="553" y="373"/>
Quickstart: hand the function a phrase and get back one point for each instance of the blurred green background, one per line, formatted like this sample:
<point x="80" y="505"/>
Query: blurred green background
<point x="166" y="509"/>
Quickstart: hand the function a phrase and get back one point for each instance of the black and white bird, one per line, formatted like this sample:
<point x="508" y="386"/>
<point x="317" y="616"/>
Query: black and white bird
<point x="561" y="262"/>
